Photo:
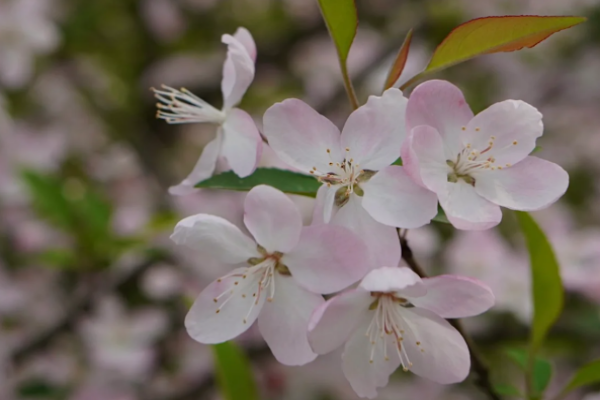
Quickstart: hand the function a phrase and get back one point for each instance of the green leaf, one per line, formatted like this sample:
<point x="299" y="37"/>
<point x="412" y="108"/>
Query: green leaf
<point x="441" y="216"/>
<point x="399" y="62"/>
<point x="542" y="369"/>
<point x="548" y="294"/>
<point x="286" y="181"/>
<point x="507" y="390"/>
<point x="586" y="375"/>
<point x="342" y="20"/>
<point x="494" y="35"/>
<point x="234" y="372"/>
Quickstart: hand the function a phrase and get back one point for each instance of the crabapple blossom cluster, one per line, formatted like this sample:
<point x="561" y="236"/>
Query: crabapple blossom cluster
<point x="384" y="314"/>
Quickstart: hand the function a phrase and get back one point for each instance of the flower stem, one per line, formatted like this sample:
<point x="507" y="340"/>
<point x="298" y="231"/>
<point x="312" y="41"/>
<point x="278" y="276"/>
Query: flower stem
<point x="478" y="365"/>
<point x="348" y="85"/>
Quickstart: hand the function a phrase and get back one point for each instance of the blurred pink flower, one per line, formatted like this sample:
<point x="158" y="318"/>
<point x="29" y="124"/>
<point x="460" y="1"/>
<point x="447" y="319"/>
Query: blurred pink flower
<point x="473" y="173"/>
<point x="396" y="318"/>
<point x="289" y="263"/>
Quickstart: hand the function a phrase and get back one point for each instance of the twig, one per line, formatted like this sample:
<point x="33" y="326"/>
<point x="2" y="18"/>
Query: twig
<point x="478" y="365"/>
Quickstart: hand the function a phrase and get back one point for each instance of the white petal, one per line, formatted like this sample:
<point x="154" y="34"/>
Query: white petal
<point x="529" y="185"/>
<point x="382" y="240"/>
<point x="366" y="376"/>
<point x="284" y="321"/>
<point x="203" y="169"/>
<point x="242" y="144"/>
<point x="514" y="126"/>
<point x="301" y="137"/>
<point x="234" y="303"/>
<point x="272" y="218"/>
<point x="216" y="236"/>
<point x="238" y="72"/>
<point x="392" y="198"/>
<point x="394" y="279"/>
<point x="466" y="209"/>
<point x="423" y="158"/>
<point x="444" y="357"/>
<point x="374" y="133"/>
<point x="333" y="322"/>
<point x="328" y="201"/>
<point x="243" y="36"/>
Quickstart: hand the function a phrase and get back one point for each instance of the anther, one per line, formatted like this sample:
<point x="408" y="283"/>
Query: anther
<point x="464" y="128"/>
<point x="477" y="129"/>
<point x="218" y="311"/>
<point x="515" y="143"/>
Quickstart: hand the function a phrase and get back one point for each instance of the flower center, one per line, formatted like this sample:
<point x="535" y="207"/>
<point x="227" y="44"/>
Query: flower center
<point x="346" y="174"/>
<point x="387" y="321"/>
<point x="470" y="160"/>
<point x="254" y="280"/>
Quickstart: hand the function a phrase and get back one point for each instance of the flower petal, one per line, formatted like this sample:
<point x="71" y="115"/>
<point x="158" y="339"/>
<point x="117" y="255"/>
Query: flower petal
<point x="381" y="240"/>
<point x="423" y="158"/>
<point x="451" y="296"/>
<point x="332" y="323"/>
<point x="216" y="236"/>
<point x="242" y="144"/>
<point x="203" y="169"/>
<point x="442" y="354"/>
<point x="301" y="137"/>
<point x="272" y="218"/>
<point x="394" y="279"/>
<point x="466" y="209"/>
<point x="238" y="72"/>
<point x="327" y="258"/>
<point x="374" y="133"/>
<point x="328" y="201"/>
<point x="243" y="36"/>
<point x="514" y="126"/>
<point x="284" y="321"/>
<point x="392" y="198"/>
<point x="529" y="185"/>
<point x="442" y="106"/>
<point x="366" y="370"/>
<point x="236" y="312"/>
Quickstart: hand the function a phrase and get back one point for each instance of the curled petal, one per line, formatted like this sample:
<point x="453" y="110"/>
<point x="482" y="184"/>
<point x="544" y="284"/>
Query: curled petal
<point x="272" y="218"/>
<point x="394" y="279"/>
<point x="238" y="72"/>
<point x="423" y="158"/>
<point x="284" y="321"/>
<point x="242" y="144"/>
<point x="243" y="36"/>
<point x="215" y="236"/>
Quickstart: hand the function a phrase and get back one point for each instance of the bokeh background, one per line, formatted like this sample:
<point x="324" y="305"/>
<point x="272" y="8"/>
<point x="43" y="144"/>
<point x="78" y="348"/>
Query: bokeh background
<point x="92" y="291"/>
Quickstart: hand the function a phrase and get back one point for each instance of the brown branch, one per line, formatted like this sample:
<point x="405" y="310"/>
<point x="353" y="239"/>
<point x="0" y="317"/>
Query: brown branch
<point x="478" y="365"/>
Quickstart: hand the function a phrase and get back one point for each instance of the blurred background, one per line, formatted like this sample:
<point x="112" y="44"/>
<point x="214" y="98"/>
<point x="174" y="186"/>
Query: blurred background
<point x="92" y="291"/>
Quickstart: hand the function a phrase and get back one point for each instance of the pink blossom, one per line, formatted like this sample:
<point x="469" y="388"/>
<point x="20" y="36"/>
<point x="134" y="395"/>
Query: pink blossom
<point x="394" y="318"/>
<point x="238" y="139"/>
<point x="475" y="164"/>
<point x="361" y="190"/>
<point x="277" y="274"/>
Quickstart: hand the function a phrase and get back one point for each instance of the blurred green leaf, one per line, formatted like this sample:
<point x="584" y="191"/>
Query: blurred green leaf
<point x="234" y="372"/>
<point x="586" y="375"/>
<point x="494" y="35"/>
<point x="286" y="181"/>
<point x="58" y="258"/>
<point x="548" y="294"/>
<point x="507" y="390"/>
<point x="399" y="62"/>
<point x="441" y="216"/>
<point x="542" y="369"/>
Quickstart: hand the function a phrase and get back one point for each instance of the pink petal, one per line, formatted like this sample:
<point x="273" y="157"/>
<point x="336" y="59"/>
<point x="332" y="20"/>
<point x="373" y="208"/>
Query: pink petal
<point x="394" y="279"/>
<point x="327" y="258"/>
<point x="203" y="169"/>
<point x="423" y="158"/>
<point x="451" y="296"/>
<point x="442" y="106"/>
<point x="381" y="240"/>
<point x="392" y="198"/>
<point x="442" y="354"/>
<point x="366" y="376"/>
<point x="328" y="201"/>
<point x="242" y="144"/>
<point x="238" y="72"/>
<point x="272" y="218"/>
<point x="466" y="209"/>
<point x="529" y="185"/>
<point x="284" y="321"/>
<point x="243" y="36"/>
<point x="334" y="321"/>
<point x="374" y="133"/>
<point x="301" y="136"/>
<point x="514" y="126"/>
<point x="216" y="236"/>
<point x="237" y="313"/>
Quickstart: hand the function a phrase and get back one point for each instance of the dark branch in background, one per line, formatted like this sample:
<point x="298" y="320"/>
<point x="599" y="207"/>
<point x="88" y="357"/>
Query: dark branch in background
<point x="478" y="365"/>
